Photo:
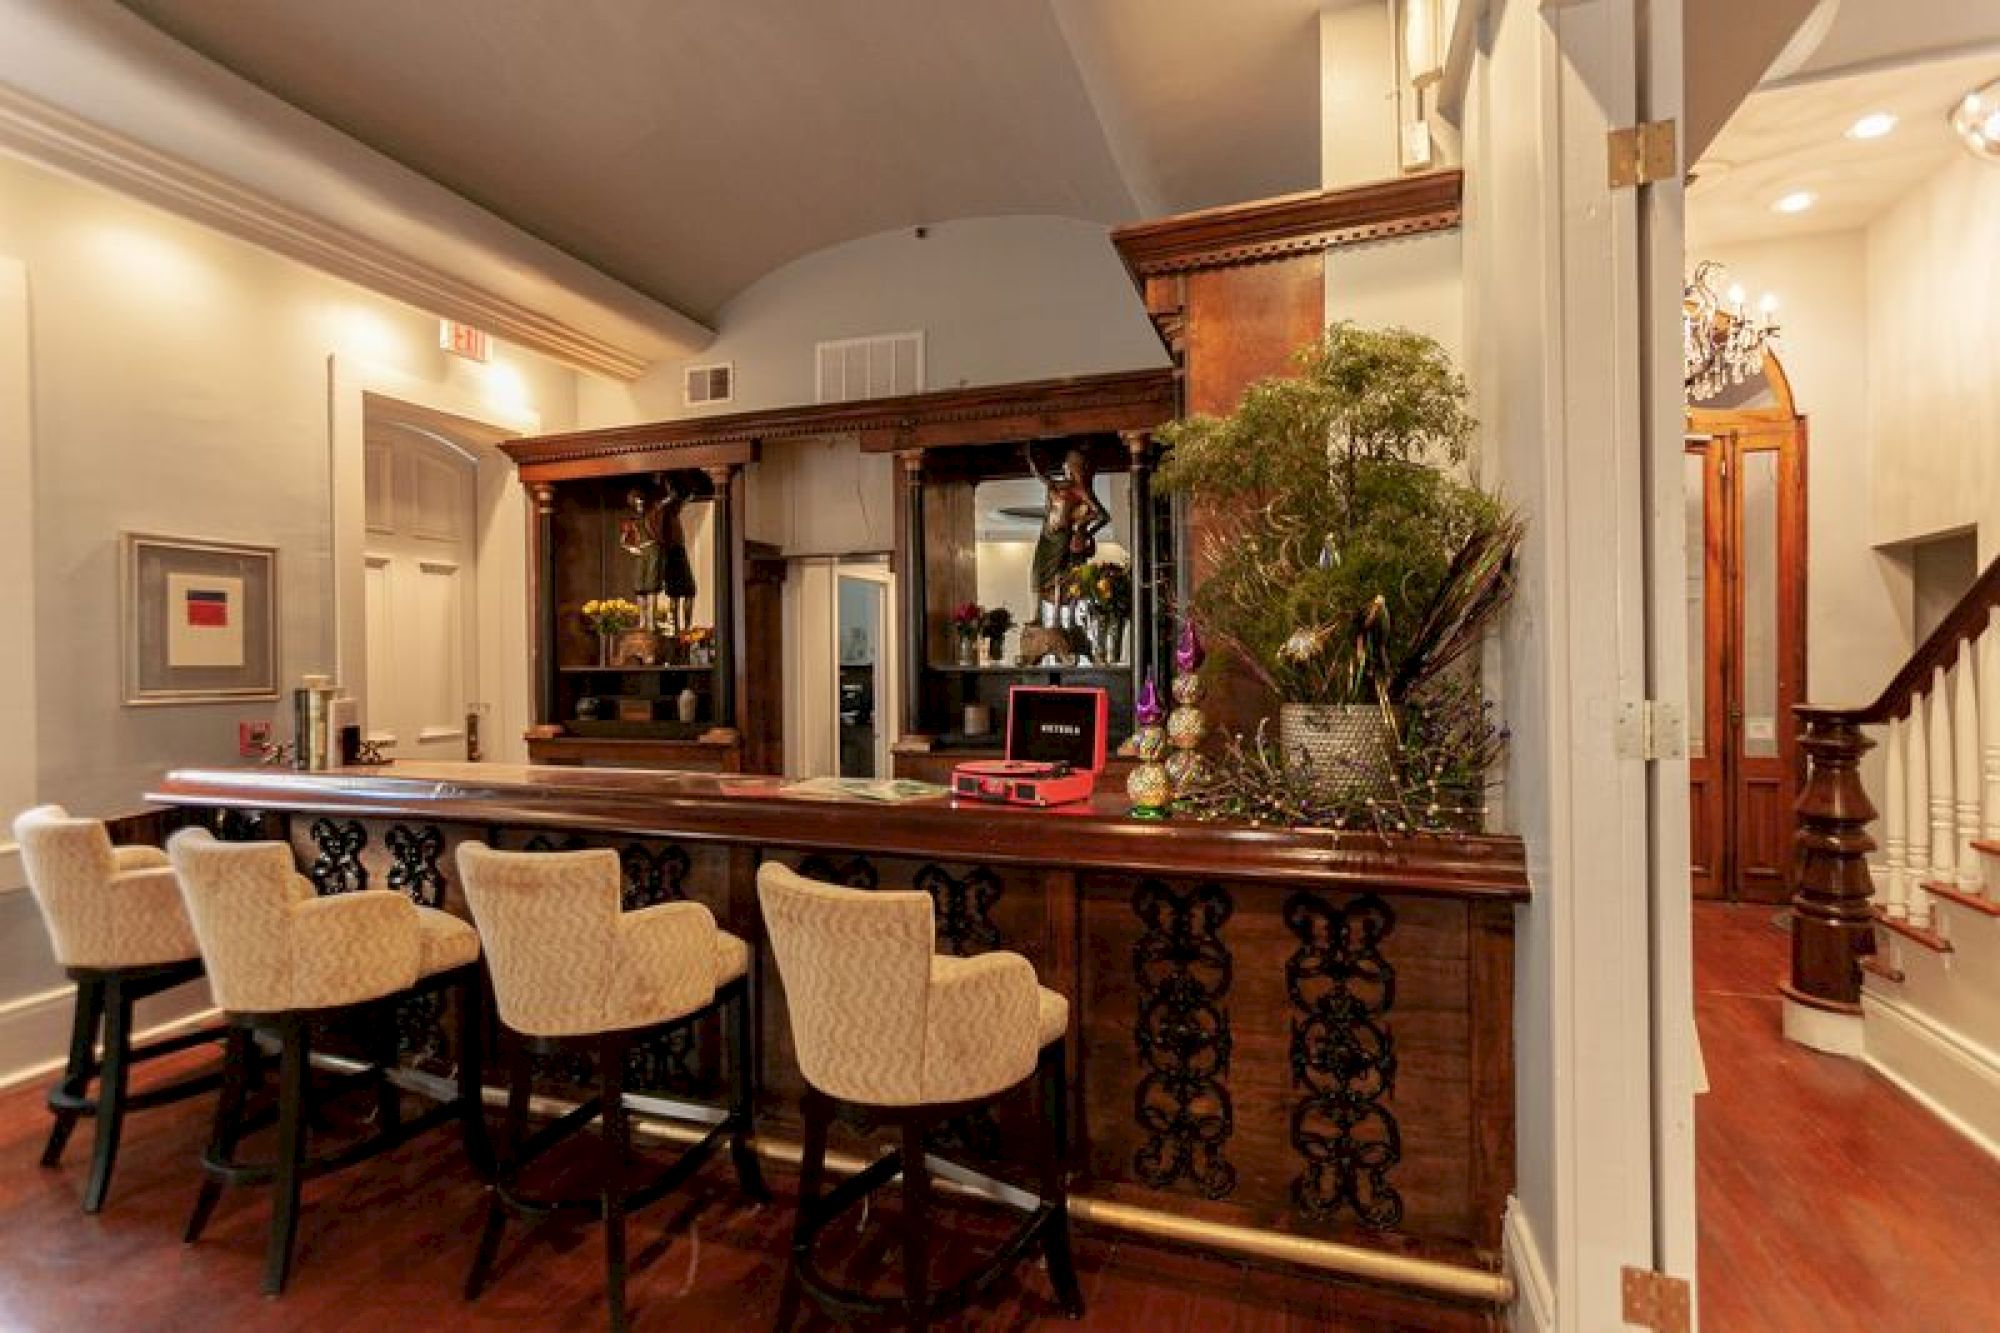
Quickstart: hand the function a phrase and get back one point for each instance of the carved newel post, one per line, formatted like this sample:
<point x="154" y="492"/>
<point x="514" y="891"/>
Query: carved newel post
<point x="1833" y="920"/>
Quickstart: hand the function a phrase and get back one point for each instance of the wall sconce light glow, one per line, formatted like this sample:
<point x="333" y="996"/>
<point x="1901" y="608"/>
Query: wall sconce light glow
<point x="1798" y="201"/>
<point x="1976" y="121"/>
<point x="365" y="334"/>
<point x="504" y="385"/>
<point x="1872" y="126"/>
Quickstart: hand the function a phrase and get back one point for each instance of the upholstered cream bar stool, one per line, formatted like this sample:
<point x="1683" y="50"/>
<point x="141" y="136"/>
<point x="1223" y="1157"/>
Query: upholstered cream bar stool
<point x="572" y="972"/>
<point x="118" y="929"/>
<point x="283" y="962"/>
<point x="888" y="1032"/>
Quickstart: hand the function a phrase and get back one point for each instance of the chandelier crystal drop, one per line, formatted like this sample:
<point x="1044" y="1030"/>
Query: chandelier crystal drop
<point x="1722" y="344"/>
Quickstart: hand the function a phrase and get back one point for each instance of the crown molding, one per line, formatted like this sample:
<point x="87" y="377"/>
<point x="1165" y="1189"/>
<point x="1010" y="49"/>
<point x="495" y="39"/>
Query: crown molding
<point x="1270" y="229"/>
<point x="53" y="137"/>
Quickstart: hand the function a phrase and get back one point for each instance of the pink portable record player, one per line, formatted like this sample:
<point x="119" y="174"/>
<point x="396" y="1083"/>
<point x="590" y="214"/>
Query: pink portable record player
<point x="1055" y="749"/>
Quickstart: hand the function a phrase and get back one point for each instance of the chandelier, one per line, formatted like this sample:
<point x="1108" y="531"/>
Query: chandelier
<point x="1721" y="344"/>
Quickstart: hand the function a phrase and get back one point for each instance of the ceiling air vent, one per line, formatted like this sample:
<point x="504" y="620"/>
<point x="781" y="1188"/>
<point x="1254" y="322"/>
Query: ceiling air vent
<point x="709" y="384"/>
<point x="883" y="366"/>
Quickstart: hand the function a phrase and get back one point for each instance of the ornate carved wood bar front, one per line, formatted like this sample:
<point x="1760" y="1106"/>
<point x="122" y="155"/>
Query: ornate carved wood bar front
<point x="1281" y="1046"/>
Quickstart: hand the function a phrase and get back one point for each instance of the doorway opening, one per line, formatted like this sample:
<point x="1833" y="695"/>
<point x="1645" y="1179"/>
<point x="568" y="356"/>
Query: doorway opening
<point x="1745" y="472"/>
<point x="429" y="566"/>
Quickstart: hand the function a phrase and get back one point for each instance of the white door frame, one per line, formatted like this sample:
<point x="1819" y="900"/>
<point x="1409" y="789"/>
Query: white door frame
<point x="887" y="700"/>
<point x="20" y="759"/>
<point x="503" y="614"/>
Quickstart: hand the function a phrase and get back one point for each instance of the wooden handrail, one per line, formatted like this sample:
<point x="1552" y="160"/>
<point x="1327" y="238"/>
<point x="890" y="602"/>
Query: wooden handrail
<point x="1833" y="919"/>
<point x="1965" y="623"/>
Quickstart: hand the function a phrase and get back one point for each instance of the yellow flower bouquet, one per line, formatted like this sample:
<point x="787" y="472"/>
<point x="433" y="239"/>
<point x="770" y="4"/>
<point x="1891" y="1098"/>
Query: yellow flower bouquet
<point x="612" y="615"/>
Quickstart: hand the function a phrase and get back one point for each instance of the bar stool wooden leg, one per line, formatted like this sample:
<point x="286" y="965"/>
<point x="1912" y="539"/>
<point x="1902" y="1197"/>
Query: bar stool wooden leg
<point x="294" y="1074"/>
<point x="75" y="1085"/>
<point x="1055" y="1183"/>
<point x="520" y="1086"/>
<point x="916" y="1221"/>
<point x="471" y="1075"/>
<point x="239" y="1072"/>
<point x="817" y="1113"/>
<point x="110" y="1093"/>
<point x="616" y="1129"/>
<point x="742" y="1096"/>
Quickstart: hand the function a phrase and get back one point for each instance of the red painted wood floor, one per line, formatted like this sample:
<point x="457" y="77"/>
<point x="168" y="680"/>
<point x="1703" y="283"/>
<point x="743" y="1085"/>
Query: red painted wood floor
<point x="1828" y="1199"/>
<point x="385" y="1245"/>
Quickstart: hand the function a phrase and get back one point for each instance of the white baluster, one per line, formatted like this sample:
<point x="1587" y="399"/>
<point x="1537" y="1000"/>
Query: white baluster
<point x="1917" y="813"/>
<point x="1892" y="894"/>
<point x="1989" y="741"/>
<point x="1965" y="768"/>
<point x="1944" y="831"/>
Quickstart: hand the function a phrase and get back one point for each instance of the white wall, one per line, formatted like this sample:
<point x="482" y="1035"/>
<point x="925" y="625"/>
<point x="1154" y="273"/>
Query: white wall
<point x="1416" y="282"/>
<point x="180" y="384"/>
<point x="1933" y="323"/>
<point x="999" y="300"/>
<point x="1857" y="601"/>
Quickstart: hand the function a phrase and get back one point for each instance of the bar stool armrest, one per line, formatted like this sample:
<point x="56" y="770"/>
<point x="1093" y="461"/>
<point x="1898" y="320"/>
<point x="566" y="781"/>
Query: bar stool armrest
<point x="666" y="963"/>
<point x="351" y="947"/>
<point x="980" y="1025"/>
<point x="138" y="857"/>
<point x="149" y="923"/>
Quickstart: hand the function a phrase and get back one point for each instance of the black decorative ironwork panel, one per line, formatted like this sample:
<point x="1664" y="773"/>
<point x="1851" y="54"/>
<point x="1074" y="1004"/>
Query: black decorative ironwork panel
<point x="964" y="907"/>
<point x="337" y="868"/>
<point x="241" y="825"/>
<point x="542" y="842"/>
<point x="854" y="873"/>
<point x="413" y="863"/>
<point x="652" y="875"/>
<point x="664" y="1064"/>
<point x="1343" y="1058"/>
<point x="1184" y="970"/>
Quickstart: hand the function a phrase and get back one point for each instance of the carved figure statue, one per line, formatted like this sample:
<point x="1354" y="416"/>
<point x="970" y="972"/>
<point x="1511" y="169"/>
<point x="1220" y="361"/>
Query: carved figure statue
<point x="1069" y="531"/>
<point x="652" y="534"/>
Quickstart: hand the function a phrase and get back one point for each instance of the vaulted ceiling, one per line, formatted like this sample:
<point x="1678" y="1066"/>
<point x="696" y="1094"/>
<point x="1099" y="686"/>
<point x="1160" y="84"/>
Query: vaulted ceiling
<point x="689" y="148"/>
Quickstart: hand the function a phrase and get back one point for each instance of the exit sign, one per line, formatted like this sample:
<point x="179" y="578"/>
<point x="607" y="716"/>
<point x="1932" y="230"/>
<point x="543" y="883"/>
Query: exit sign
<point x="464" y="340"/>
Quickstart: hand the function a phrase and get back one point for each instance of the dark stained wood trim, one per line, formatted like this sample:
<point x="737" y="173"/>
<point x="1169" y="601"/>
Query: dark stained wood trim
<point x="712" y="808"/>
<point x="1922" y="936"/>
<point x="1085" y="404"/>
<point x="1952" y="893"/>
<point x="1292" y="224"/>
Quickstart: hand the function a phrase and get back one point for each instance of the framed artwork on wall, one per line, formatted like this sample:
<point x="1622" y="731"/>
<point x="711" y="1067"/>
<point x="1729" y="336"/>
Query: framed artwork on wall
<point x="199" y="620"/>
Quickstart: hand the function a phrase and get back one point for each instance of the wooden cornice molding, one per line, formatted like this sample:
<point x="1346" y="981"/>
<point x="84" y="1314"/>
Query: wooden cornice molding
<point x="1291" y="224"/>
<point x="56" y="138"/>
<point x="1120" y="401"/>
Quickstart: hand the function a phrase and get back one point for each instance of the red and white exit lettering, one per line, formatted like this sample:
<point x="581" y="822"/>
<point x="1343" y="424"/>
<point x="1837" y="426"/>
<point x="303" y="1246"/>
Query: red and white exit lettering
<point x="464" y="340"/>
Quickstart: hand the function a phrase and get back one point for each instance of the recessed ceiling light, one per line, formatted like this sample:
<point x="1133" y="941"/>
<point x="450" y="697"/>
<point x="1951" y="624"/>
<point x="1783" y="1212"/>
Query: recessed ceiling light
<point x="1798" y="201"/>
<point x="1872" y="126"/>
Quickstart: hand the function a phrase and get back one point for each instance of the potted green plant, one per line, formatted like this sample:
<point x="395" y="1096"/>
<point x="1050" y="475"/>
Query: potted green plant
<point x="1105" y="588"/>
<point x="993" y="627"/>
<point x="1350" y="561"/>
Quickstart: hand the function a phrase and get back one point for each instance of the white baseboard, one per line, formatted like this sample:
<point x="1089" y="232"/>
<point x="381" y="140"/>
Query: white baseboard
<point x="1834" y="1034"/>
<point x="1954" y="1077"/>
<point x="1534" y="1309"/>
<point x="34" y="1029"/>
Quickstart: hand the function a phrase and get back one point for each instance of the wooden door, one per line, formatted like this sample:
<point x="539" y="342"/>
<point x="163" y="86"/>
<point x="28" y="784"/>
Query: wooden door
<point x="1746" y="631"/>
<point x="420" y="590"/>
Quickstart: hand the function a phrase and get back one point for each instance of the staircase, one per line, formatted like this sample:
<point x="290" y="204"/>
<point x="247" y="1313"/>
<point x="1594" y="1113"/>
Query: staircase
<point x="1897" y="959"/>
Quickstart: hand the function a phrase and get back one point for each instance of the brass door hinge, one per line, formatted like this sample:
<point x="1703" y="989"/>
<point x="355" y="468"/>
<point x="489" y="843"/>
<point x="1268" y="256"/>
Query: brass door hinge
<point x="1656" y="1301"/>
<point x="1642" y="154"/>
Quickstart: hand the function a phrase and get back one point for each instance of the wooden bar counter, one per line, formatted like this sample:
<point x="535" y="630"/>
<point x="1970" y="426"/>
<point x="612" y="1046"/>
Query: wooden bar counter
<point x="1283" y="1045"/>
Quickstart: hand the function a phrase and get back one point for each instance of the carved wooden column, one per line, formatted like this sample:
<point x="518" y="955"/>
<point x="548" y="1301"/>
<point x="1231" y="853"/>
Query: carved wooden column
<point x="1139" y="538"/>
<point x="725" y="594"/>
<point x="1833" y="922"/>
<point x="541" y="579"/>
<point x="915" y="601"/>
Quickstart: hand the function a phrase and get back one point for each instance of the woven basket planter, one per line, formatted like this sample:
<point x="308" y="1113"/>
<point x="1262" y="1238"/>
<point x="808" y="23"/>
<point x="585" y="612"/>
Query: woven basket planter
<point x="1350" y="747"/>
